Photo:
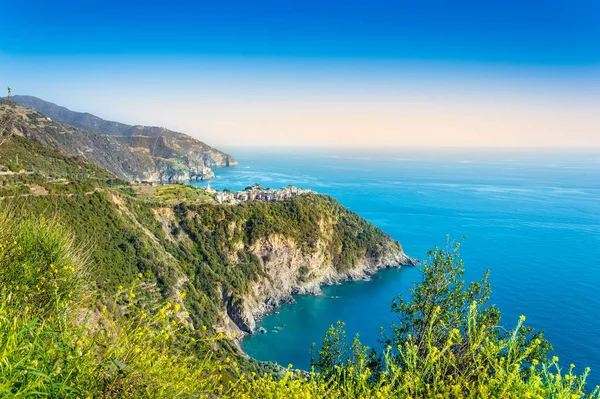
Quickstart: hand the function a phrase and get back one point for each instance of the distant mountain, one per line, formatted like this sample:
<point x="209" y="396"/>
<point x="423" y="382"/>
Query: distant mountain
<point x="172" y="157"/>
<point x="82" y="120"/>
<point x="87" y="121"/>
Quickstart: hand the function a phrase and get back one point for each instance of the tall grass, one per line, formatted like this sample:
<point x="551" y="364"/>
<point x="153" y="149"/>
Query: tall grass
<point x="55" y="342"/>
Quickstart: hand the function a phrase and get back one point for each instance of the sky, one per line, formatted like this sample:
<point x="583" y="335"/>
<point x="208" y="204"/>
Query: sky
<point x="318" y="73"/>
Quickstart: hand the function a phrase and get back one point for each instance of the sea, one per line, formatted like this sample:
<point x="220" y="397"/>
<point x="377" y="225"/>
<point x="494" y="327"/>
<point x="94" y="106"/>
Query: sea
<point x="530" y="216"/>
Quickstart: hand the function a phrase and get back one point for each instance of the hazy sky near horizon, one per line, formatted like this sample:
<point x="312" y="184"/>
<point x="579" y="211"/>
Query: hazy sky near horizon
<point x="379" y="73"/>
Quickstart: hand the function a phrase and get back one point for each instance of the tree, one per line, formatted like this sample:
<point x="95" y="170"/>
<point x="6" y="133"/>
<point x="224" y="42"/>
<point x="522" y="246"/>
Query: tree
<point x="444" y="312"/>
<point x="447" y="340"/>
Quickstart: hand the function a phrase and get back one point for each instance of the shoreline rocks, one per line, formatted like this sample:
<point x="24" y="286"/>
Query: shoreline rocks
<point x="280" y="283"/>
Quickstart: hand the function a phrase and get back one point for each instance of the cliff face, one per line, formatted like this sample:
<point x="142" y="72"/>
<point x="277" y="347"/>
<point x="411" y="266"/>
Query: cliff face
<point x="179" y="158"/>
<point x="289" y="270"/>
<point x="142" y="154"/>
<point x="284" y="248"/>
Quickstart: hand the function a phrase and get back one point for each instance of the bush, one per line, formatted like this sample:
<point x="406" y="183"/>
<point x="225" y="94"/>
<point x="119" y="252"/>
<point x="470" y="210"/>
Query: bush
<point x="53" y="343"/>
<point x="448" y="343"/>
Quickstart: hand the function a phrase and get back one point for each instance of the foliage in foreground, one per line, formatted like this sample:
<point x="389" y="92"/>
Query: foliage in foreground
<point x="53" y="343"/>
<point x="448" y="343"/>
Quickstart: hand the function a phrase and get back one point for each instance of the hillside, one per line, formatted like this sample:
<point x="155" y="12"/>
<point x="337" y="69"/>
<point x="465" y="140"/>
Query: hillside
<point x="236" y="261"/>
<point x="142" y="154"/>
<point x="87" y="121"/>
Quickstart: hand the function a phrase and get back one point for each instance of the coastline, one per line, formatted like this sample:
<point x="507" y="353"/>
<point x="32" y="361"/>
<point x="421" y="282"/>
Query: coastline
<point x="244" y="319"/>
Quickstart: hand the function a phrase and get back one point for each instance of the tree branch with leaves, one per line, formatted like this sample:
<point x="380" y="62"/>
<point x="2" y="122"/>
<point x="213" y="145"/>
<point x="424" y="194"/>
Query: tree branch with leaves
<point x="448" y="341"/>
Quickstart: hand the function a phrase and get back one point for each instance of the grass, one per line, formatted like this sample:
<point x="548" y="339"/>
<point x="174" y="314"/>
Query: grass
<point x="54" y="344"/>
<point x="171" y="193"/>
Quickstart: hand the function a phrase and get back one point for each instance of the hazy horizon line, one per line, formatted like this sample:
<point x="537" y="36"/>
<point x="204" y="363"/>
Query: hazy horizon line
<point x="385" y="148"/>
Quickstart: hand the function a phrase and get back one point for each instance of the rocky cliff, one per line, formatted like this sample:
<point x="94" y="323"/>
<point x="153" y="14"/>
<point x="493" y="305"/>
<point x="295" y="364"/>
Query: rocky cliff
<point x="284" y="248"/>
<point x="140" y="154"/>
<point x="288" y="270"/>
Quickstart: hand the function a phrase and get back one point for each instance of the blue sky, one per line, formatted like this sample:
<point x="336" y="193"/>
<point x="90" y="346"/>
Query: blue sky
<point x="536" y="32"/>
<point x="120" y="59"/>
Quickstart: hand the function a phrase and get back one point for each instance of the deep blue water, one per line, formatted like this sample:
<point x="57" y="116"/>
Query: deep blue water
<point x="531" y="217"/>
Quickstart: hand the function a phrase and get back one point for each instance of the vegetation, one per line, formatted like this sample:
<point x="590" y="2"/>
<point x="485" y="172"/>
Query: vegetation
<point x="6" y="119"/>
<point x="197" y="244"/>
<point x="53" y="344"/>
<point x="20" y="155"/>
<point x="448" y="342"/>
<point x="170" y="193"/>
<point x="60" y="337"/>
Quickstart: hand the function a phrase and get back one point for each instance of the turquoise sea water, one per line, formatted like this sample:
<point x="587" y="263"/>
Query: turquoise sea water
<point x="531" y="217"/>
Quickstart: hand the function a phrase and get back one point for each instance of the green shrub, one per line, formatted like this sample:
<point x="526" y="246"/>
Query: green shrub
<point x="53" y="343"/>
<point x="448" y="343"/>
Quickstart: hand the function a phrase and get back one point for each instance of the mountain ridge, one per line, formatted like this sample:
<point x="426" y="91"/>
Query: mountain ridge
<point x="89" y="121"/>
<point x="160" y="157"/>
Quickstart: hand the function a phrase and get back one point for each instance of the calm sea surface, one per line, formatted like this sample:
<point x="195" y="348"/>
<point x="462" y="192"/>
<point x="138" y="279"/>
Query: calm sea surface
<point x="531" y="217"/>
